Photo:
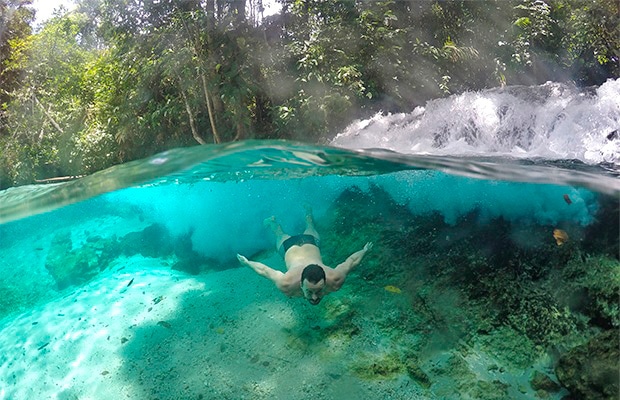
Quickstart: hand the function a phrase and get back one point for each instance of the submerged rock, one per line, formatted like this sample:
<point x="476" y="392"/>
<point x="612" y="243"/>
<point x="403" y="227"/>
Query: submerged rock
<point x="69" y="266"/>
<point x="152" y="241"/>
<point x="416" y="373"/>
<point x="386" y="366"/>
<point x="540" y="381"/>
<point x="593" y="285"/>
<point x="485" y="390"/>
<point x="590" y="371"/>
<point x="188" y="266"/>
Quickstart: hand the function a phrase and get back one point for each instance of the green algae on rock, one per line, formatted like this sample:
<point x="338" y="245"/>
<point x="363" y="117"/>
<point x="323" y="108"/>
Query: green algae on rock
<point x="540" y="381"/>
<point x="591" y="370"/>
<point x="73" y="266"/>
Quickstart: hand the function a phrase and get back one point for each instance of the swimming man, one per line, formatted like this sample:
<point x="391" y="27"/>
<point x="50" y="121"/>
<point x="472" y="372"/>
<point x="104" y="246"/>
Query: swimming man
<point x="306" y="274"/>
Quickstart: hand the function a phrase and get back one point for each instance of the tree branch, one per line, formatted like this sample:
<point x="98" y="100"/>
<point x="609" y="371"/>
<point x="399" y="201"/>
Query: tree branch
<point x="48" y="115"/>
<point x="216" y="135"/>
<point x="192" y="123"/>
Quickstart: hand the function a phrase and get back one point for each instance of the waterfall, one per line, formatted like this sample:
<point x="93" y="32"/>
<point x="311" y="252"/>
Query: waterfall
<point x="553" y="121"/>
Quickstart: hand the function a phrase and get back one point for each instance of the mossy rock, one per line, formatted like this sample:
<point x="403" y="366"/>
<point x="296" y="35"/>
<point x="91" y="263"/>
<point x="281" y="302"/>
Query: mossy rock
<point x="69" y="266"/>
<point x="458" y="368"/>
<point x="415" y="372"/>
<point x="336" y="326"/>
<point x="389" y="366"/>
<point x="466" y="382"/>
<point x="152" y="241"/>
<point x="12" y="299"/>
<point x="339" y="318"/>
<point x="540" y="381"/>
<point x="595" y="282"/>
<point x="386" y="366"/>
<point x="591" y="371"/>
<point x="526" y="308"/>
<point x="513" y="349"/>
<point x="536" y="314"/>
<point x="485" y="390"/>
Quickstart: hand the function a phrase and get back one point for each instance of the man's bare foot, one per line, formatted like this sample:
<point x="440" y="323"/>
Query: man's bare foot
<point x="243" y="260"/>
<point x="273" y="224"/>
<point x="309" y="219"/>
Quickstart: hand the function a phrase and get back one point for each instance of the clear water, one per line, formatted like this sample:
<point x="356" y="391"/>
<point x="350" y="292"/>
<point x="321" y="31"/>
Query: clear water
<point x="125" y="283"/>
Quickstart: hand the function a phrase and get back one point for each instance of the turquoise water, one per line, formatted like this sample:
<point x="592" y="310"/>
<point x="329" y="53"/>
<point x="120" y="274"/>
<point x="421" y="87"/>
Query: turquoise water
<point x="277" y="160"/>
<point x="126" y="283"/>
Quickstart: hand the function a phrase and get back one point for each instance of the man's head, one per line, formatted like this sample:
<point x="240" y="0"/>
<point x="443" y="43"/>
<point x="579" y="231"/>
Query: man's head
<point x="313" y="283"/>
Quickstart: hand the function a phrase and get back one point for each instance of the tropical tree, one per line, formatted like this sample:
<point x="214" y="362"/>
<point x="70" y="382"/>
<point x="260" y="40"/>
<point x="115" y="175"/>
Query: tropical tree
<point x="115" y="80"/>
<point x="564" y="40"/>
<point x="16" y="17"/>
<point x="50" y="104"/>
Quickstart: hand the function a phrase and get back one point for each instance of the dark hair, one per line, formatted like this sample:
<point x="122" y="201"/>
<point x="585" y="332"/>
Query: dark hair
<point x="313" y="273"/>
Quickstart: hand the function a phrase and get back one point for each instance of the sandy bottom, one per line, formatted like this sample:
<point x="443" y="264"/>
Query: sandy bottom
<point x="168" y="335"/>
<point x="141" y="330"/>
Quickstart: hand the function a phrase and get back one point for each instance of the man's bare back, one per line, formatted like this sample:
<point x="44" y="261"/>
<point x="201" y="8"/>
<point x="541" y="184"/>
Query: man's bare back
<point x="306" y="273"/>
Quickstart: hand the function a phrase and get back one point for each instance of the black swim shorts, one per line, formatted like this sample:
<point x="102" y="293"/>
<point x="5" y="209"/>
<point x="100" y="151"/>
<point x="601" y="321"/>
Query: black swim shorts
<point x="298" y="240"/>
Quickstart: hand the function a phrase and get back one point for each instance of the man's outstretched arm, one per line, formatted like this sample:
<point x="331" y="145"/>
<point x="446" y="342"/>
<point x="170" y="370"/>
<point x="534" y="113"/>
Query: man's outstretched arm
<point x="263" y="270"/>
<point x="352" y="261"/>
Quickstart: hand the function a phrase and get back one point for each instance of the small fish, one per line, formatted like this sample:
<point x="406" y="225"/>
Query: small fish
<point x="560" y="236"/>
<point x="567" y="199"/>
<point x="164" y="324"/>
<point x="130" y="282"/>
<point x="43" y="346"/>
<point x="392" y="289"/>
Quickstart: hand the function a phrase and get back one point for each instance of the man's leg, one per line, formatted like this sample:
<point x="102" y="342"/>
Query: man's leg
<point x="277" y="230"/>
<point x="310" y="229"/>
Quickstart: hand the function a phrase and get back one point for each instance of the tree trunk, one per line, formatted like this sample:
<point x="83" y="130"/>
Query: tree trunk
<point x="241" y="131"/>
<point x="210" y="9"/>
<point x="194" y="40"/>
<point x="48" y="115"/>
<point x="216" y="135"/>
<point x="192" y="123"/>
<point x="214" y="100"/>
<point x="240" y="13"/>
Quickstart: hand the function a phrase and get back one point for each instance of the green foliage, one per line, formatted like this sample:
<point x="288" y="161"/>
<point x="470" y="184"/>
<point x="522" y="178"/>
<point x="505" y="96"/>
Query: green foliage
<point x="15" y="19"/>
<point x="566" y="37"/>
<point x="48" y="110"/>
<point x="116" y="80"/>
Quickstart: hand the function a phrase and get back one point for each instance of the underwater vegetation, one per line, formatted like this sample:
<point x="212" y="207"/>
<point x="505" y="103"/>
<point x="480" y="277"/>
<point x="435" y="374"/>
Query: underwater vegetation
<point x="459" y="309"/>
<point x="502" y="286"/>
<point x="69" y="266"/>
<point x="73" y="266"/>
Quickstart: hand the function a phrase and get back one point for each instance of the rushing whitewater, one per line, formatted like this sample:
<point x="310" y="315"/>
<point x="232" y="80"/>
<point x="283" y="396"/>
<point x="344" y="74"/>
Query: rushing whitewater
<point x="553" y="121"/>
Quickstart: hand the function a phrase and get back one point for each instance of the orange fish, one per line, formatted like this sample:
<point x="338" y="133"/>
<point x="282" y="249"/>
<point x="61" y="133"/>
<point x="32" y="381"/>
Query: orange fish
<point x="560" y="236"/>
<point x="567" y="199"/>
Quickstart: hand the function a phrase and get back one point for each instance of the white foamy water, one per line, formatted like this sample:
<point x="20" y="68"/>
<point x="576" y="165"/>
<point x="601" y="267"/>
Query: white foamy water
<point x="552" y="121"/>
